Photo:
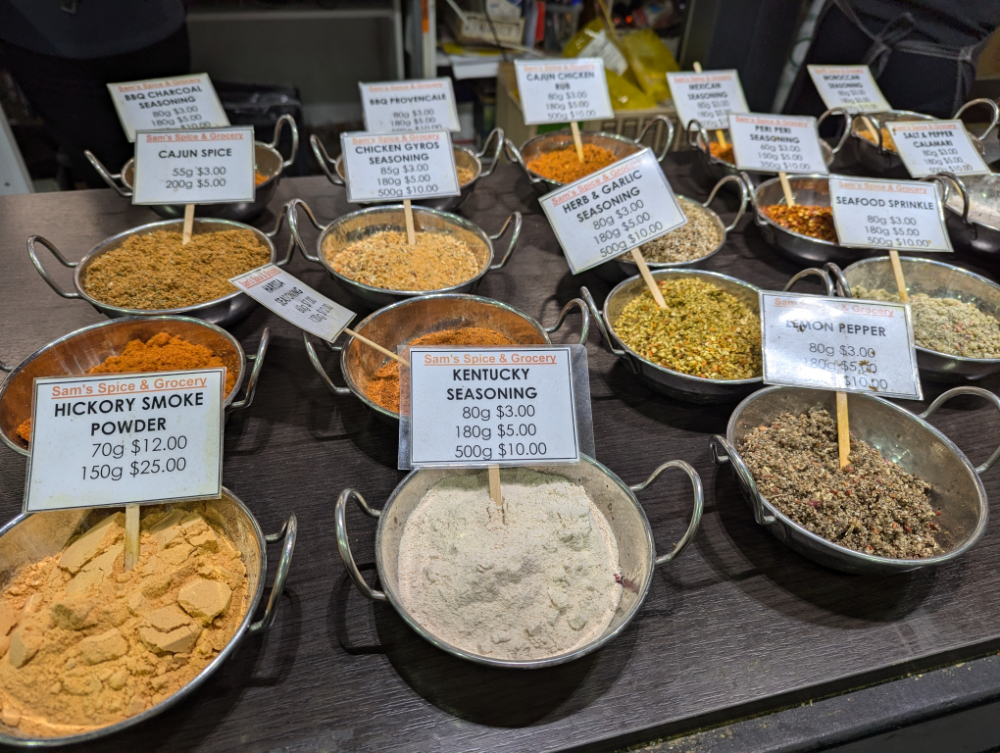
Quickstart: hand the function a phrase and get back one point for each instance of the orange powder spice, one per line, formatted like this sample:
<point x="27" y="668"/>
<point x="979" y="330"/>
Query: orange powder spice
<point x="564" y="166"/>
<point x="383" y="389"/>
<point x="724" y="153"/>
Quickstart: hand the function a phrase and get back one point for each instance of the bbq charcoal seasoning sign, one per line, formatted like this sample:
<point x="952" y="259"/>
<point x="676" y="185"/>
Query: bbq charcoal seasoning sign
<point x="167" y="104"/>
<point x="612" y="211"/>
<point x="391" y="167"/>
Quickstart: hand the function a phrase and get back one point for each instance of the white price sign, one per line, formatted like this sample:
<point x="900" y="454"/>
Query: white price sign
<point x="839" y="344"/>
<point x="849" y="86"/>
<point x="408" y="106"/>
<point x="776" y="143"/>
<point x="168" y="104"/>
<point x="479" y="406"/>
<point x="103" y="441"/>
<point x="612" y="211"/>
<point x="294" y="301"/>
<point x="563" y="91"/>
<point x="939" y="146"/>
<point x="904" y="215"/>
<point x="194" y="167"/>
<point x="395" y="166"/>
<point x="707" y="97"/>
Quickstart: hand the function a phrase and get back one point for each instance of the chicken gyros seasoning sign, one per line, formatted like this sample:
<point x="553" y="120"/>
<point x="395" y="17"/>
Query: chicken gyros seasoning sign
<point x="396" y="166"/>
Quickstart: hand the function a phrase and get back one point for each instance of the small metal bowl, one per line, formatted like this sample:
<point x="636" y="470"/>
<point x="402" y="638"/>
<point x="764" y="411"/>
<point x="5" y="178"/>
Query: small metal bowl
<point x="464" y="157"/>
<point x="407" y="320"/>
<point x="221" y="311"/>
<point x="900" y="436"/>
<point x="623" y="266"/>
<point x="883" y="161"/>
<point x="267" y="159"/>
<point x="80" y="351"/>
<point x="690" y="389"/>
<point x="636" y="551"/>
<point x="365" y="222"/>
<point x="973" y="215"/>
<point x="29" y="538"/>
<point x="620" y="146"/>
<point x="938" y="280"/>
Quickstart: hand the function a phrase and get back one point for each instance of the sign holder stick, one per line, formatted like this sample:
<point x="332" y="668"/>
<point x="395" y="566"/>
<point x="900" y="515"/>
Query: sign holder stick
<point x="131" y="536"/>
<point x="576" y="139"/>
<point x="377" y="347"/>
<point x="188" y="224"/>
<point x="648" y="277"/>
<point x="494" y="475"/>
<point x="787" y="188"/>
<point x="719" y="133"/>
<point x="411" y="235"/>
<point x="897" y="270"/>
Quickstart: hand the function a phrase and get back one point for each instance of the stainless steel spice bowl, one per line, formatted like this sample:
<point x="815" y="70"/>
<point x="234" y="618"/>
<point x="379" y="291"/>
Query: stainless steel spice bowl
<point x="464" y="157"/>
<point x="938" y="280"/>
<point x="268" y="161"/>
<point x="407" y="320"/>
<point x="675" y="384"/>
<point x="221" y="311"/>
<point x="620" y="146"/>
<point x="78" y="352"/>
<point x="365" y="222"/>
<point x="973" y="215"/>
<point x="624" y="266"/>
<point x="900" y="436"/>
<point x="29" y="538"/>
<point x="625" y="516"/>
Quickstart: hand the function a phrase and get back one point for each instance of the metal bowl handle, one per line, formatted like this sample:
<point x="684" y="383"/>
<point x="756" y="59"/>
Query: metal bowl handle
<point x="978" y="391"/>
<point x="697" y="135"/>
<point x="843" y="287"/>
<point x="595" y="316"/>
<point x="514" y="155"/>
<point x="848" y="121"/>
<point x="584" y="312"/>
<point x="41" y="270"/>
<point x="744" y="198"/>
<point x="258" y="363"/>
<point x="496" y="133"/>
<point x="946" y="180"/>
<point x="670" y="134"/>
<point x="288" y="532"/>
<point x="319" y="152"/>
<point x="994" y="114"/>
<point x="811" y="272"/>
<point x="110" y="178"/>
<point x="517" y="220"/>
<point x="293" y="225"/>
<point x="314" y="360"/>
<point x="285" y="212"/>
<point x="723" y="453"/>
<point x="286" y="118"/>
<point x="344" y="544"/>
<point x="699" y="504"/>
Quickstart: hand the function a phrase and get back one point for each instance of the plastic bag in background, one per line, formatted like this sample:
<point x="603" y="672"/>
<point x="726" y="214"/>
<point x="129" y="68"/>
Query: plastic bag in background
<point x="650" y="61"/>
<point x="593" y="41"/>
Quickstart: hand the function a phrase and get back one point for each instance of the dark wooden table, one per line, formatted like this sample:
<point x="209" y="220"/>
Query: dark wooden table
<point x="738" y="625"/>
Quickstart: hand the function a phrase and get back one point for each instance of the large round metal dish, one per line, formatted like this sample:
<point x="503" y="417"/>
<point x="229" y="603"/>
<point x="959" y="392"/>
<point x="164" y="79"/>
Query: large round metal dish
<point x="977" y="228"/>
<point x="620" y="146"/>
<point x="464" y="157"/>
<point x="220" y="311"/>
<point x="268" y="161"/>
<point x="407" y="320"/>
<point x="883" y="160"/>
<point x="366" y="222"/>
<point x="29" y="538"/>
<point x="80" y="351"/>
<point x="675" y="384"/>
<point x="625" y="516"/>
<point x="900" y="436"/>
<point x="938" y="280"/>
<point x="624" y="266"/>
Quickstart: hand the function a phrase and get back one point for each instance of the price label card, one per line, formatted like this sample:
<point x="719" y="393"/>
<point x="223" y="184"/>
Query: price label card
<point x="776" y="143"/>
<point x="164" y="104"/>
<point x="904" y="215"/>
<point x="839" y="344"/>
<point x="395" y="166"/>
<point x="707" y="97"/>
<point x="612" y="211"/>
<point x="194" y="167"/>
<point x="940" y="146"/>
<point x="561" y="91"/>
<point x="849" y="86"/>
<point x="408" y="106"/>
<point x="294" y="301"/>
<point x="478" y="406"/>
<point x="106" y="441"/>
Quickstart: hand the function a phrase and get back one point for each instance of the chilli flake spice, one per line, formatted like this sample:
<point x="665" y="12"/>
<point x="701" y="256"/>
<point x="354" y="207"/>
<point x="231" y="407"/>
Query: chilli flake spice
<point x="804" y="219"/>
<point x="703" y="331"/>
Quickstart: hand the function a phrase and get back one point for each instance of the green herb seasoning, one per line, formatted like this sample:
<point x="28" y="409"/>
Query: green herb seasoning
<point x="703" y="331"/>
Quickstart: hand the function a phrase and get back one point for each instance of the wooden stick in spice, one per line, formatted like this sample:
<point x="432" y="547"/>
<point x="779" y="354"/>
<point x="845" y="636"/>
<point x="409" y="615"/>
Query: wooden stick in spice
<point x="787" y="188"/>
<point x="654" y="289"/>
<point x="188" y="224"/>
<point x="411" y="235"/>
<point x="575" y="129"/>
<point x="843" y="431"/>
<point x="377" y="347"/>
<point x="132" y="534"/>
<point x="494" y="471"/>
<point x="720" y="135"/>
<point x="897" y="270"/>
